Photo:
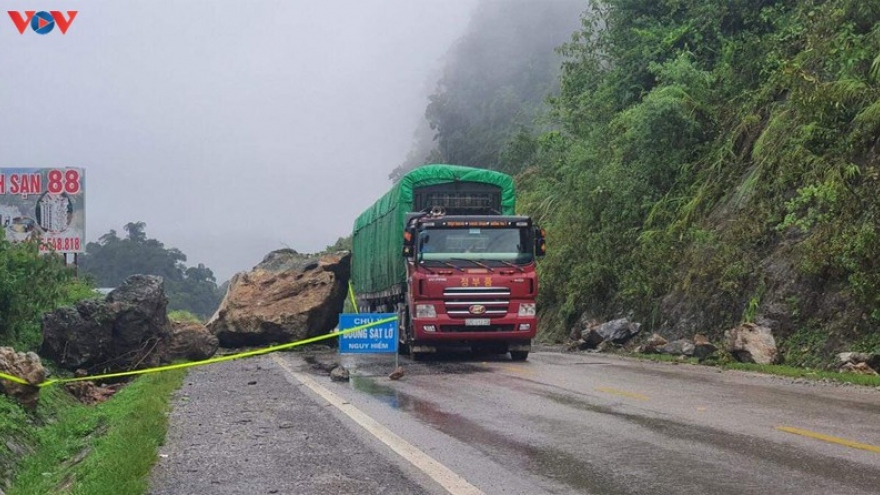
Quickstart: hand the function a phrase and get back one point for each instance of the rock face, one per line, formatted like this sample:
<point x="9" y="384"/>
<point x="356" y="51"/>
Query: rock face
<point x="26" y="366"/>
<point x="287" y="297"/>
<point x="121" y="332"/>
<point x="751" y="343"/>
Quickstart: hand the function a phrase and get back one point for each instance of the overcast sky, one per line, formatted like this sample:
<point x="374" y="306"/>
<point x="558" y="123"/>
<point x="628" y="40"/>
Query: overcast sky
<point x="231" y="128"/>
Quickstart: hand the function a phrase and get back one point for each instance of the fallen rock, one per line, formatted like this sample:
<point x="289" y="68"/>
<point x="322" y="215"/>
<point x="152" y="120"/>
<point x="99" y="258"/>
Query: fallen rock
<point x="605" y="346"/>
<point x="29" y="368"/>
<point x="397" y="374"/>
<point x="702" y="347"/>
<point x="651" y="346"/>
<point x="590" y="339"/>
<point x="646" y="349"/>
<point x="90" y="394"/>
<point x="584" y="323"/>
<point x="189" y="340"/>
<point x="339" y="374"/>
<point x="681" y="347"/>
<point x="751" y="343"/>
<point x="704" y="351"/>
<point x="283" y="299"/>
<point x="872" y="360"/>
<point x="618" y="331"/>
<point x="121" y="332"/>
<point x="858" y="368"/>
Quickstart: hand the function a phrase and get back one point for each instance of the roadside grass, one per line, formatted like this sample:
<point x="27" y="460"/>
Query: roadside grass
<point x="770" y="369"/>
<point x="182" y="316"/>
<point x="808" y="373"/>
<point x="108" y="449"/>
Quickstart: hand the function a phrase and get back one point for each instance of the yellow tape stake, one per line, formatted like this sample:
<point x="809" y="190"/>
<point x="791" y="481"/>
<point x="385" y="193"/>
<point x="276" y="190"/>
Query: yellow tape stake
<point x="220" y="359"/>
<point x="351" y="296"/>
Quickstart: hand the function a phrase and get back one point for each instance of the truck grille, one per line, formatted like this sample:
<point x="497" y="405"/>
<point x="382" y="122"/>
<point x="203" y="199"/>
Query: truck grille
<point x="459" y="300"/>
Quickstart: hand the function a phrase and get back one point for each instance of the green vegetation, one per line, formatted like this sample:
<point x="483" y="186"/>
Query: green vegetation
<point x="112" y="259"/>
<point x="808" y="373"/>
<point x="30" y="285"/>
<point x="181" y="316"/>
<point x="704" y="163"/>
<point x="341" y="244"/>
<point x="495" y="85"/>
<point x="90" y="450"/>
<point x="726" y="362"/>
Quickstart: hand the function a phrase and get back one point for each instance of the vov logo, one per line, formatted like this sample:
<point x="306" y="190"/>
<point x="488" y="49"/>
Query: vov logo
<point x="42" y="22"/>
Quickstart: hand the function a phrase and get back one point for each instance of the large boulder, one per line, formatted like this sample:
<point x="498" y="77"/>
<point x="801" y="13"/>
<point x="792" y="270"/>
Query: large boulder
<point x="751" y="343"/>
<point x="119" y="333"/>
<point x="26" y="366"/>
<point x="287" y="297"/>
<point x="189" y="340"/>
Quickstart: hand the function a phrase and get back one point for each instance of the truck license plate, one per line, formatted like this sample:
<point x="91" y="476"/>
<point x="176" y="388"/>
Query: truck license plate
<point x="476" y="322"/>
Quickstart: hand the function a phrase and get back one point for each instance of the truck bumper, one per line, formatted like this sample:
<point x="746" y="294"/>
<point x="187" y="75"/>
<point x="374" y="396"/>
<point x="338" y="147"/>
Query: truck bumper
<point x="451" y="330"/>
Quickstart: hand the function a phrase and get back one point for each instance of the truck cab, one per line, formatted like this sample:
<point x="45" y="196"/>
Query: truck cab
<point x="472" y="282"/>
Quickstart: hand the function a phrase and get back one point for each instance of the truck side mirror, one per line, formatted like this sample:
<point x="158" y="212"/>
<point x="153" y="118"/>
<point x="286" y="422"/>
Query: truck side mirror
<point x="540" y="242"/>
<point x="408" y="243"/>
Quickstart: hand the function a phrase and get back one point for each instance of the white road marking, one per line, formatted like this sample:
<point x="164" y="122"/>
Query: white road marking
<point x="448" y="479"/>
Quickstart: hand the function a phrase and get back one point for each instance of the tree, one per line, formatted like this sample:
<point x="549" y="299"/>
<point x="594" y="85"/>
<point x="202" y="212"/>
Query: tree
<point x="135" y="231"/>
<point x="111" y="260"/>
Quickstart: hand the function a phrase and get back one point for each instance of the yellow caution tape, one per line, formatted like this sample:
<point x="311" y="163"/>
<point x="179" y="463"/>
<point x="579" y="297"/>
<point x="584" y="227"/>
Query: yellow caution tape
<point x="220" y="359"/>
<point x="354" y="304"/>
<point x="14" y="379"/>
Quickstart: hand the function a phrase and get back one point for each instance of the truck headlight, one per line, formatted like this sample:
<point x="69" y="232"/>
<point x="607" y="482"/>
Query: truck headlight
<point x="425" y="311"/>
<point x="527" y="309"/>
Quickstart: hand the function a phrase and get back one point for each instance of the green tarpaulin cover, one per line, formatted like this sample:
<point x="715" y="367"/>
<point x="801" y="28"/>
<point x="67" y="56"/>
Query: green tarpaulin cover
<point x="377" y="241"/>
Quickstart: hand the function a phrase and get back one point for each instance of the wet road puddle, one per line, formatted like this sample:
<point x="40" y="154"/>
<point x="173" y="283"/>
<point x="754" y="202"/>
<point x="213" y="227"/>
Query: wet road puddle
<point x="842" y="471"/>
<point x="543" y="461"/>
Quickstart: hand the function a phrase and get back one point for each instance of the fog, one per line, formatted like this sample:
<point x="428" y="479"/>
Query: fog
<point x="230" y="128"/>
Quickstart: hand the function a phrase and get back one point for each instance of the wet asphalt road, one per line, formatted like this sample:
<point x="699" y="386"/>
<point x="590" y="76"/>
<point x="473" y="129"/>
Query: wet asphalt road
<point x="586" y="423"/>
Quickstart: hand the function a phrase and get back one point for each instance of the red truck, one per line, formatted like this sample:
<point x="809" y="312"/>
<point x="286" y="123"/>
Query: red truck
<point x="445" y="250"/>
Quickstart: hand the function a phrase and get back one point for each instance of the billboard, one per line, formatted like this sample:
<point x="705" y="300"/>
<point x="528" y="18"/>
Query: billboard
<point x="44" y="203"/>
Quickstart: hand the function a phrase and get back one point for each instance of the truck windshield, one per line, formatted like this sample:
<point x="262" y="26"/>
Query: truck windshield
<point x="484" y="244"/>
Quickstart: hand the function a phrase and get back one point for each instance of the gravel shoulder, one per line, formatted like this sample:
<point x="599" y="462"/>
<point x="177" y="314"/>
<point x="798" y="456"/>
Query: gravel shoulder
<point x="242" y="427"/>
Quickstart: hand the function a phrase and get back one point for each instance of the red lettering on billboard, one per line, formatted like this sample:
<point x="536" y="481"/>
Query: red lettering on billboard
<point x="25" y="184"/>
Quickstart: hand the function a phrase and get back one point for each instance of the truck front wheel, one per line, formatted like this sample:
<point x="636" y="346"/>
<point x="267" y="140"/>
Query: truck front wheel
<point x="519" y="355"/>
